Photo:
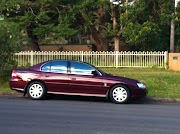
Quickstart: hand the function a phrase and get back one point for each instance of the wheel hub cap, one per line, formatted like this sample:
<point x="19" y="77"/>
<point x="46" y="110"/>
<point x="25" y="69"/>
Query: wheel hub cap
<point x="36" y="90"/>
<point x="119" y="94"/>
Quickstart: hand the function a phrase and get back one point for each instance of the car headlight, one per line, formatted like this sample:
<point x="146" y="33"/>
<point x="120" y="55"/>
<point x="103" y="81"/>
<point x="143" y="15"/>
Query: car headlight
<point x="141" y="85"/>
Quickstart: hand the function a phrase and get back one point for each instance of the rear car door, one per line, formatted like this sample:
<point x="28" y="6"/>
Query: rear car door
<point x="82" y="81"/>
<point x="54" y="74"/>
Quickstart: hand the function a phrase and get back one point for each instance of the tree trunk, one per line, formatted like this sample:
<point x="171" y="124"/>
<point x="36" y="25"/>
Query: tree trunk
<point x="1" y="70"/>
<point x="116" y="43"/>
<point x="116" y="37"/>
<point x="101" y="42"/>
<point x="33" y="37"/>
<point x="172" y="35"/>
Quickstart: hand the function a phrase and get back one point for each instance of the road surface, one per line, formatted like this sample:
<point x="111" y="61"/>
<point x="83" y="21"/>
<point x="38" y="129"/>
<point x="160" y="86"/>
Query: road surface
<point x="20" y="115"/>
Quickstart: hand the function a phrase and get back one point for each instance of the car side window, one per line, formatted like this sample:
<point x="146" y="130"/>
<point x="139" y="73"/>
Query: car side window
<point x="46" y="67"/>
<point x="55" y="66"/>
<point x="59" y="66"/>
<point x="81" y="68"/>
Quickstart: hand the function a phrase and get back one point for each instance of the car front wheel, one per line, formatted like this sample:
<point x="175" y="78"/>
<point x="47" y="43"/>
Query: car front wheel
<point x="120" y="94"/>
<point x="36" y="90"/>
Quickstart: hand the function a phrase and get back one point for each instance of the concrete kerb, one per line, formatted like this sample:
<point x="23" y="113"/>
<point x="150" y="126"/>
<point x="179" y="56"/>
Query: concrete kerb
<point x="141" y="101"/>
<point x="160" y="100"/>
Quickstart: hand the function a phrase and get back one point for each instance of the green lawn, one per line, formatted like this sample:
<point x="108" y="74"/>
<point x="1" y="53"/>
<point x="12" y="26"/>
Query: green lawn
<point x="160" y="83"/>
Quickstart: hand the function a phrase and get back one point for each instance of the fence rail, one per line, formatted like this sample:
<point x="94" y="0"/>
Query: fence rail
<point x="99" y="59"/>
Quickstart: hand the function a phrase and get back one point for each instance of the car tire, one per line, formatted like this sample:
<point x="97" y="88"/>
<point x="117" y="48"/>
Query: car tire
<point x="36" y="90"/>
<point x="119" y="94"/>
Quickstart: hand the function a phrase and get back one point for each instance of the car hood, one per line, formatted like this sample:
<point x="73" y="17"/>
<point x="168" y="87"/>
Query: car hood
<point x="120" y="78"/>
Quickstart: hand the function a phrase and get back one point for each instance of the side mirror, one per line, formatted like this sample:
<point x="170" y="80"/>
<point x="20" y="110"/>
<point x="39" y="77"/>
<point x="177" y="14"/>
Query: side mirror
<point x="95" y="73"/>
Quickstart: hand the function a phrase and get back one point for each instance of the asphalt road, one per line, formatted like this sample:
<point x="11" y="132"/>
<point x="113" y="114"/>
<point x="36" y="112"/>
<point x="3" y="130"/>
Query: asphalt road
<point x="20" y="115"/>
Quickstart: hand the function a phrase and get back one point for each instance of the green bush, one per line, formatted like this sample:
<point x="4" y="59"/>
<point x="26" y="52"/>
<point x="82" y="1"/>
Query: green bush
<point x="9" y="43"/>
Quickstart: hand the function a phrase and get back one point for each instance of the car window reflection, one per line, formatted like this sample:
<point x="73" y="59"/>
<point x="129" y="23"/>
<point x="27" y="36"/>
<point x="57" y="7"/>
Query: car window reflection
<point x="55" y="66"/>
<point x="81" y="68"/>
<point x="59" y="66"/>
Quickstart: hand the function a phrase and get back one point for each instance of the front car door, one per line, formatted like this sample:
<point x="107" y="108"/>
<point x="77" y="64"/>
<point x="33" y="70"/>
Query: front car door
<point x="83" y="81"/>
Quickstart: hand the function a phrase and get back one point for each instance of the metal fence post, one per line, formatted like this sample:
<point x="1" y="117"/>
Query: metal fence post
<point x="166" y="59"/>
<point x="117" y="59"/>
<point x="32" y="60"/>
<point x="82" y="56"/>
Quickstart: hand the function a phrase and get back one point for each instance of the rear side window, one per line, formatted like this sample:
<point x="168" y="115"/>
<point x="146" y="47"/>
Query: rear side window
<point x="81" y="68"/>
<point x="46" y="67"/>
<point x="55" y="66"/>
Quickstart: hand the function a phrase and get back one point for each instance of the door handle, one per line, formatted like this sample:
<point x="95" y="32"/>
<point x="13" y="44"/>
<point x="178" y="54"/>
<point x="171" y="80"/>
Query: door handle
<point x="46" y="75"/>
<point x="73" y="78"/>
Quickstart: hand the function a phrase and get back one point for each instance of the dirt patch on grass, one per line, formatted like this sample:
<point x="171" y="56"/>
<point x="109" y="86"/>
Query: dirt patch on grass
<point x="4" y="93"/>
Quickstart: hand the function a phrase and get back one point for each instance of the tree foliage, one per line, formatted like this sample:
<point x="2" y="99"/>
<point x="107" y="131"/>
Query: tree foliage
<point x="40" y="18"/>
<point x="149" y="24"/>
<point x="145" y="24"/>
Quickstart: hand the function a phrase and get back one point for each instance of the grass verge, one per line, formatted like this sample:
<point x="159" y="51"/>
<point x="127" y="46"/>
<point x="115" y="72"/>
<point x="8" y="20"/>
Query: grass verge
<point x="160" y="83"/>
<point x="4" y="85"/>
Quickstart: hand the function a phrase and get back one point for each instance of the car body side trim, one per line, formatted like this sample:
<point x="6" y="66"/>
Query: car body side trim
<point x="81" y="94"/>
<point x="20" y="89"/>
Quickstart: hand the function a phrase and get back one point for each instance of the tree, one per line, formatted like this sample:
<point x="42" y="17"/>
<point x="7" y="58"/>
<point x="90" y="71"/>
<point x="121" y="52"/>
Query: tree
<point x="92" y="17"/>
<point x="117" y="15"/>
<point x="177" y="28"/>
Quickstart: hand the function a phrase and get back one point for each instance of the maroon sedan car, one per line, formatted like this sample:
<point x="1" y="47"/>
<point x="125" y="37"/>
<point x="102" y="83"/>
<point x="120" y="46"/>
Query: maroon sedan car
<point x="74" y="78"/>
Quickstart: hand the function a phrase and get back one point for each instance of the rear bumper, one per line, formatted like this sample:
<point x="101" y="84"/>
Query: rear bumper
<point x="17" y="84"/>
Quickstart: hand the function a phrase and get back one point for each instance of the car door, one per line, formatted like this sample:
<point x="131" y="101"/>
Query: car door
<point x="55" y="77"/>
<point x="83" y="82"/>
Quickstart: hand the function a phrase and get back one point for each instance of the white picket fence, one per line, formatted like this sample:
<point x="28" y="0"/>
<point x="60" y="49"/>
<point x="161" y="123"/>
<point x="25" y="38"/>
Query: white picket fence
<point x="99" y="59"/>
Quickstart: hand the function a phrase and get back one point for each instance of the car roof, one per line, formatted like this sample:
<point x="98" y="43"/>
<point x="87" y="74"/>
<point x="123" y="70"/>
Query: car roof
<point x="38" y="66"/>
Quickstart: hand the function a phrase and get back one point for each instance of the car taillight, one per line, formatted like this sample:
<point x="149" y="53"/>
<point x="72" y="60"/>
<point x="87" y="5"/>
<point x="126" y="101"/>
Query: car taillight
<point x="14" y="74"/>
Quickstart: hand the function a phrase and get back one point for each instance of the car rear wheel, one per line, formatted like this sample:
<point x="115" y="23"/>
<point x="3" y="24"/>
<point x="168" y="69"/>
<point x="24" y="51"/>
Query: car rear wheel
<point x="120" y="94"/>
<point x="36" y="90"/>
